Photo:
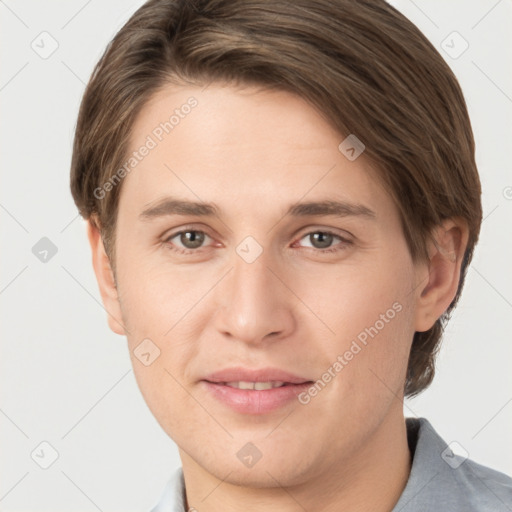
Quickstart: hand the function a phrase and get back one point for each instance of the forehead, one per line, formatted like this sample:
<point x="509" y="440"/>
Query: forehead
<point x="236" y="145"/>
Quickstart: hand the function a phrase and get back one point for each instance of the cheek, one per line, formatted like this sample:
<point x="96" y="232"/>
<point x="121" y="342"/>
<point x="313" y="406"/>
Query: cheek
<point x="370" y="313"/>
<point x="158" y="306"/>
<point x="160" y="386"/>
<point x="352" y="299"/>
<point x="155" y="296"/>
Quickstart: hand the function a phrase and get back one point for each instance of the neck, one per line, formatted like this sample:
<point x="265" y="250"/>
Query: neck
<point x="371" y="480"/>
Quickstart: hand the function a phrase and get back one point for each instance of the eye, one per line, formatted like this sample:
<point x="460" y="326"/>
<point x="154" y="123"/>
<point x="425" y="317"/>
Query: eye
<point x="321" y="241"/>
<point x="190" y="239"/>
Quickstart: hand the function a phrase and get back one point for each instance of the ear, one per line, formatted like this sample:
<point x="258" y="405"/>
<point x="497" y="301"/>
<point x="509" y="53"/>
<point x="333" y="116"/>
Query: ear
<point x="105" y="278"/>
<point x="438" y="286"/>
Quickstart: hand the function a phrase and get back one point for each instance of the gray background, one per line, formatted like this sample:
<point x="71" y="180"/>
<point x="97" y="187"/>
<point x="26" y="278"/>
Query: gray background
<point x="66" y="378"/>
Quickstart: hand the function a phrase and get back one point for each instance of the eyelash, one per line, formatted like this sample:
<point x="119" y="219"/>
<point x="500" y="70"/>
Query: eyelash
<point x="344" y="242"/>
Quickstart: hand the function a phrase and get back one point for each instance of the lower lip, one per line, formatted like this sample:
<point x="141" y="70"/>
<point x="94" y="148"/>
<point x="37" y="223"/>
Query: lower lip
<point x="251" y="401"/>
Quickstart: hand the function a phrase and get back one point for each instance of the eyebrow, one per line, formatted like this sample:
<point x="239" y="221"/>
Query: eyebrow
<point x="173" y="206"/>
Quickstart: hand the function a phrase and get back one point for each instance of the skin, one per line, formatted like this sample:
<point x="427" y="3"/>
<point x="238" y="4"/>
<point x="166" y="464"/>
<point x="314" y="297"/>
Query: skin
<point x="253" y="153"/>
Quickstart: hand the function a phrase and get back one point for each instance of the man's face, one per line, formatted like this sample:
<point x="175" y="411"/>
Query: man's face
<point x="255" y="287"/>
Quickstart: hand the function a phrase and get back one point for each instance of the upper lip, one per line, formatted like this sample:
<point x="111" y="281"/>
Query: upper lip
<point x="254" y="375"/>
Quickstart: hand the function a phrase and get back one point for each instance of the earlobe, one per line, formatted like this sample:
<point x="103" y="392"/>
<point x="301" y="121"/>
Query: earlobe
<point x="105" y="278"/>
<point x="438" y="287"/>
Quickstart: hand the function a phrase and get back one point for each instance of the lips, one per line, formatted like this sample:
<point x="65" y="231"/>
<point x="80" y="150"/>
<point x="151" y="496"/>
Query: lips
<point x="239" y="374"/>
<point x="254" y="391"/>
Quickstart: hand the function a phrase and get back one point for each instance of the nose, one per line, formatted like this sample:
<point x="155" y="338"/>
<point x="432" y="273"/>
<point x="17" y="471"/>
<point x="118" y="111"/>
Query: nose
<point x="255" y="305"/>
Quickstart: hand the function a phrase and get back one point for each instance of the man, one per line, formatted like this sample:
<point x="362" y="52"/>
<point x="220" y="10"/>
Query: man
<point x="283" y="202"/>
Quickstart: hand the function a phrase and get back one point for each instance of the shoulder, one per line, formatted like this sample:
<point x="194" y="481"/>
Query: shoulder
<point x="443" y="480"/>
<point x="484" y="487"/>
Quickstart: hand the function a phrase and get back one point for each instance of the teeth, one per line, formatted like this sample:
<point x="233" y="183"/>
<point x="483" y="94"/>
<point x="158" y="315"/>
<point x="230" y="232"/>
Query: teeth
<point x="258" y="386"/>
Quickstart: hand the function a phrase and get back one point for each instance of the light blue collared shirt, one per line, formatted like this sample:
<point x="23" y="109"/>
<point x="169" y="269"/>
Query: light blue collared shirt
<point x="439" y="481"/>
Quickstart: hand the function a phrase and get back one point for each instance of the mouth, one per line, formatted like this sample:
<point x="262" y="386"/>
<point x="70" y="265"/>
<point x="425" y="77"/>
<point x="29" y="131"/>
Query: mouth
<point x="245" y="376"/>
<point x="258" y="386"/>
<point x="255" y="391"/>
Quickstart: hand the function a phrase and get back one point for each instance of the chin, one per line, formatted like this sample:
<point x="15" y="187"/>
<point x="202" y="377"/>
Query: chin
<point x="269" y="471"/>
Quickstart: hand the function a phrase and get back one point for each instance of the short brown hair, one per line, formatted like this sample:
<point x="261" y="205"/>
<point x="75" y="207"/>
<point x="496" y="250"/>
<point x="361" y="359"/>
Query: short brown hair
<point x="363" y="65"/>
